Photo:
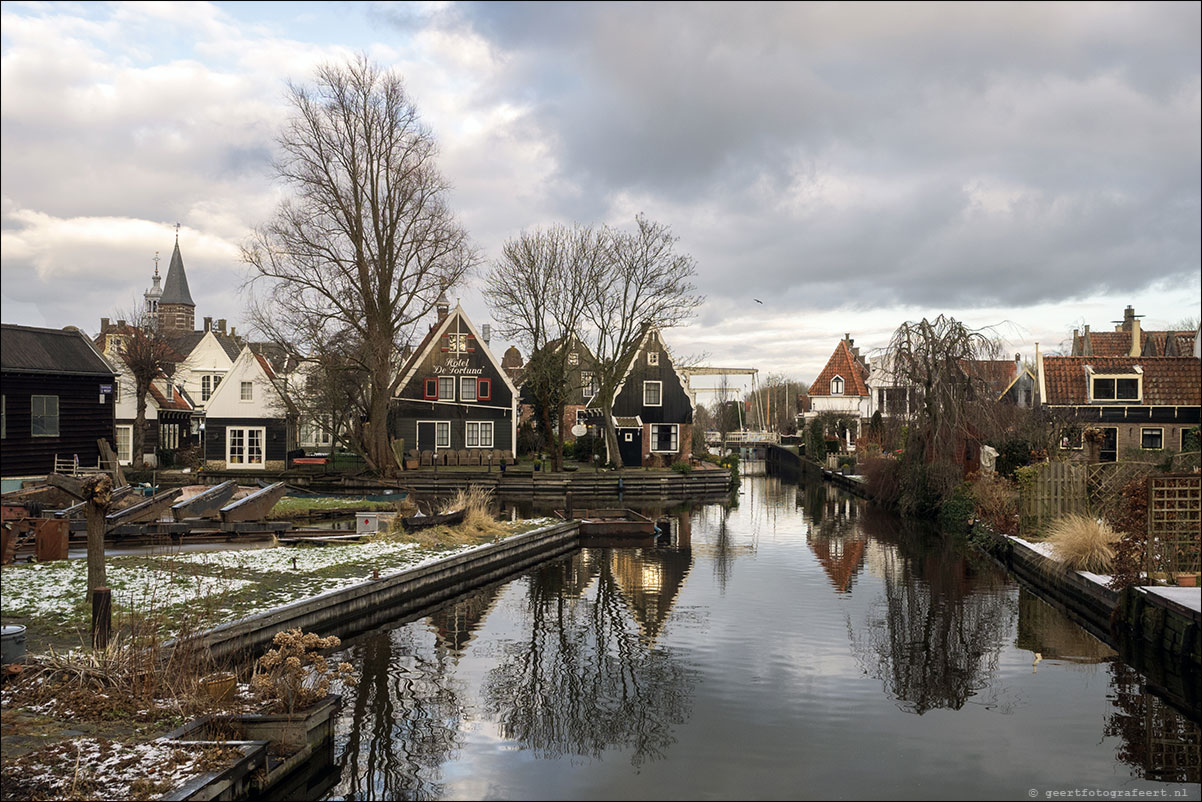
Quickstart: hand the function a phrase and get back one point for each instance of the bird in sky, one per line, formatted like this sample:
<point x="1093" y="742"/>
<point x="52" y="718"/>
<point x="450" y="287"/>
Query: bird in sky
<point x="757" y="300"/>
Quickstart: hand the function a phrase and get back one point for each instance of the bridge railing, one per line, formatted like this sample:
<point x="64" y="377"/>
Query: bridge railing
<point x="752" y="437"/>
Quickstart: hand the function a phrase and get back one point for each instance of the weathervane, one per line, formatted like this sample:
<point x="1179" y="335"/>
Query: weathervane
<point x="177" y="233"/>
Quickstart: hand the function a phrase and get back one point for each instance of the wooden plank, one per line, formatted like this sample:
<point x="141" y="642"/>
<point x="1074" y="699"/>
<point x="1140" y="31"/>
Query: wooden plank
<point x="68" y="484"/>
<point x="77" y="509"/>
<point x="107" y="455"/>
<point x="254" y="507"/>
<point x="149" y="510"/>
<point x="207" y="504"/>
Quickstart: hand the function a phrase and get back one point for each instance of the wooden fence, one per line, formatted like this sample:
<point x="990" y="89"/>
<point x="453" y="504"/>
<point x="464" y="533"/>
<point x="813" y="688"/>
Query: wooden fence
<point x="1058" y="489"/>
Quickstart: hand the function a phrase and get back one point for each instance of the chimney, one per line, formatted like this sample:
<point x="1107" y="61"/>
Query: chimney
<point x="104" y="325"/>
<point x="233" y="332"/>
<point x="1136" y="345"/>
<point x="120" y="324"/>
<point x="486" y="333"/>
<point x="208" y="324"/>
<point x="1128" y="318"/>
<point x="221" y="325"/>
<point x="1086" y="345"/>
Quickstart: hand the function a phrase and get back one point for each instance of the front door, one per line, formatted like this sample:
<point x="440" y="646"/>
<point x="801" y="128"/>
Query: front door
<point x="1110" y="450"/>
<point x="630" y="447"/>
<point x="425" y="436"/>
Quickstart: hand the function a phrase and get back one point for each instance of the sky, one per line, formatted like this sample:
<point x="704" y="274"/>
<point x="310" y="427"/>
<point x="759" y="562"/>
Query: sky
<point x="831" y="168"/>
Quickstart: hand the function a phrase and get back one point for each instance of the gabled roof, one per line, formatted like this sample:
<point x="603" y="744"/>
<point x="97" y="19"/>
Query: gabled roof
<point x="1118" y="343"/>
<point x="436" y="331"/>
<point x="228" y="344"/>
<point x="1167" y="380"/>
<point x="177" y="401"/>
<point x="175" y="288"/>
<point x="846" y="365"/>
<point x="26" y="349"/>
<point x="998" y="374"/>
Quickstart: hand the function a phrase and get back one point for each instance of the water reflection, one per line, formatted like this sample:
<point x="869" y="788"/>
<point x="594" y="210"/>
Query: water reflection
<point x="1158" y="742"/>
<point x="935" y="635"/>
<point x="585" y="680"/>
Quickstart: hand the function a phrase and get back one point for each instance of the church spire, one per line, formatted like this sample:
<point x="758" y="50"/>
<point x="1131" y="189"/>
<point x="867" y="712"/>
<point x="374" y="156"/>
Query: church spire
<point x="177" y="310"/>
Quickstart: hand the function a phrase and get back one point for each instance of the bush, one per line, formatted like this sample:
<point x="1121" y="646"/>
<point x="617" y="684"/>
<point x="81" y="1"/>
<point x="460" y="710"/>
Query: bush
<point x="882" y="477"/>
<point x="682" y="467"/>
<point x="1082" y="543"/>
<point x="997" y="502"/>
<point x="957" y="512"/>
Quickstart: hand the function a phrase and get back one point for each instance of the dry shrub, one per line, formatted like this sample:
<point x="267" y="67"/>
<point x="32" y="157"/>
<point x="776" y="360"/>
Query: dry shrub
<point x="882" y="476"/>
<point x="1082" y="543"/>
<point x="479" y="524"/>
<point x="1131" y="519"/>
<point x="997" y="502"/>
<point x="295" y="674"/>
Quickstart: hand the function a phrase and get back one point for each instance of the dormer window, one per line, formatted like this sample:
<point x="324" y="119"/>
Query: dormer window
<point x="1116" y="389"/>
<point x="837" y="385"/>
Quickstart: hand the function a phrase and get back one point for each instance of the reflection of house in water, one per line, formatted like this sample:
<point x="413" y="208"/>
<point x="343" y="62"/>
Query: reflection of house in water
<point x="833" y="534"/>
<point x="1044" y="629"/>
<point x="840" y="557"/>
<point x="649" y="581"/>
<point x="456" y="624"/>
<point x="1158" y="742"/>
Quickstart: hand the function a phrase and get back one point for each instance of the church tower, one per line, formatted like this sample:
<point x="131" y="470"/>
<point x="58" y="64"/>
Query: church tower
<point x="177" y="311"/>
<point x="153" y="296"/>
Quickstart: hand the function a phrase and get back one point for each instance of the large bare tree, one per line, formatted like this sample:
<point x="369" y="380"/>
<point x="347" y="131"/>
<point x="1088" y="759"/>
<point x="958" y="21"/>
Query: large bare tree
<point x="537" y="291"/>
<point x="643" y="283"/>
<point x="365" y="242"/>
<point x="148" y="355"/>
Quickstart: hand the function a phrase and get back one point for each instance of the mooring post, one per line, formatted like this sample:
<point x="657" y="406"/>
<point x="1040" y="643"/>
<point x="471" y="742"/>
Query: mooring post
<point x="102" y="616"/>
<point x="568" y="505"/>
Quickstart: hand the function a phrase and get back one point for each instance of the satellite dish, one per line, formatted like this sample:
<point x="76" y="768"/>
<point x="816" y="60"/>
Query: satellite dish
<point x="579" y="430"/>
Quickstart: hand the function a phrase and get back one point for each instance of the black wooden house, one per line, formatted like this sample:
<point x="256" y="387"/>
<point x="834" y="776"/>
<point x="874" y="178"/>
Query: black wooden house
<point x="454" y="396"/>
<point x="56" y="400"/>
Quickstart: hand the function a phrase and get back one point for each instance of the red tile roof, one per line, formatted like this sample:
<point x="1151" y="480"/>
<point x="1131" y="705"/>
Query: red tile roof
<point x="175" y="402"/>
<point x="845" y="365"/>
<point x="265" y="365"/>
<point x="1151" y="343"/>
<point x="1168" y="380"/>
<point x="997" y="373"/>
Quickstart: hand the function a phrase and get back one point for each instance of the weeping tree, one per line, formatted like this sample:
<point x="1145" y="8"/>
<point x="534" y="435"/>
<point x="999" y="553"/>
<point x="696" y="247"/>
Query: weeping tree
<point x="537" y="291"/>
<point x="364" y="242"/>
<point x="940" y="362"/>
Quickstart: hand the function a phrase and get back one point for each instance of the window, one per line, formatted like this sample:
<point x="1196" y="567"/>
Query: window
<point x="467" y="388"/>
<point x="431" y="388"/>
<point x="484" y="389"/>
<point x="1151" y="438"/>
<point x="664" y="437"/>
<point x="117" y="391"/>
<point x="44" y="412"/>
<point x="653" y="358"/>
<point x="653" y="394"/>
<point x="837" y="386"/>
<point x="206" y="387"/>
<point x="1116" y="388"/>
<point x="442" y="434"/>
<point x="125" y="444"/>
<point x="478" y="434"/>
<point x="573" y="359"/>
<point x="588" y="383"/>
<point x="248" y="391"/>
<point x="169" y="435"/>
<point x="1072" y="439"/>
<point x="446" y="388"/>
<point x="244" y="447"/>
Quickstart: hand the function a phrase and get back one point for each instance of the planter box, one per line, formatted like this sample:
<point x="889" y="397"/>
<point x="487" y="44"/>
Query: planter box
<point x="305" y="728"/>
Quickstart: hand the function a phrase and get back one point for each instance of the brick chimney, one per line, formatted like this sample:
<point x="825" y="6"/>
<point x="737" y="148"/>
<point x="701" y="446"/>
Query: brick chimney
<point x="208" y="324"/>
<point x="221" y="325"/>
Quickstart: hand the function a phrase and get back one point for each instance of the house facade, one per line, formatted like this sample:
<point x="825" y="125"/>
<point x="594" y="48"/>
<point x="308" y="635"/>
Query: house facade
<point x="842" y="389"/>
<point x="652" y="410"/>
<point x="56" y="399"/>
<point x="1138" y="406"/>
<point x="248" y="424"/>
<point x="581" y="385"/>
<point x="454" y="396"/>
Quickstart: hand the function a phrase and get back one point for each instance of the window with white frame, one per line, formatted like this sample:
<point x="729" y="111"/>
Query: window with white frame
<point x="206" y="387"/>
<point x="467" y="388"/>
<point x="588" y="383"/>
<point x="573" y="359"/>
<point x="1115" y="388"/>
<point x="1151" y="438"/>
<point x="1072" y="439"/>
<point x="665" y="438"/>
<point x="125" y="444"/>
<point x="248" y="391"/>
<point x="446" y="388"/>
<point x="244" y="446"/>
<point x="653" y="358"/>
<point x="169" y="435"/>
<point x="478" y="434"/>
<point x="837" y="385"/>
<point x="653" y="394"/>
<point x="442" y="434"/>
<point x="44" y="415"/>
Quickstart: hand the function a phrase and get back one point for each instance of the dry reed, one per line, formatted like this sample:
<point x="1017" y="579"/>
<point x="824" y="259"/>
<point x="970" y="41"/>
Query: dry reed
<point x="1082" y="543"/>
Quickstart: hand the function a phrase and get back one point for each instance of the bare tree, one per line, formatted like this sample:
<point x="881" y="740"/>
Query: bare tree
<point x="537" y="291"/>
<point x="148" y="356"/>
<point x="955" y="403"/>
<point x="365" y="244"/>
<point x="643" y="283"/>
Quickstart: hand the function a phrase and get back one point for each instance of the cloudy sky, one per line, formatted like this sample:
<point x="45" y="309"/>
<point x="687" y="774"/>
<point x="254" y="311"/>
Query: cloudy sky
<point x="1031" y="167"/>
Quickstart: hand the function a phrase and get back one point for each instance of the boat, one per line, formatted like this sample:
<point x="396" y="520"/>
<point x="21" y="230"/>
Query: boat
<point x="616" y="522"/>
<point x="416" y="522"/>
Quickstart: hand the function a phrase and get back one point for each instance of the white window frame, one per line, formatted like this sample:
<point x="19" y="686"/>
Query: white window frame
<point x="246" y="392"/>
<point x="206" y="387"/>
<point x="675" y="437"/>
<point x="1139" y="388"/>
<point x="573" y="359"/>
<point x="441" y="427"/>
<point x="1144" y="431"/>
<point x="646" y="387"/>
<point x="33" y="416"/>
<point x="448" y="381"/>
<point x="840" y="387"/>
<point x="653" y="358"/>
<point x="243" y="460"/>
<point x="125" y="432"/>
<point x="588" y="381"/>
<point x="169" y="436"/>
<point x="466" y="382"/>
<point x="480" y="427"/>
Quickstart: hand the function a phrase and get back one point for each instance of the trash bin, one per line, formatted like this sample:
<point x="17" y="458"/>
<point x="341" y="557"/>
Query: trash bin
<point x="12" y="644"/>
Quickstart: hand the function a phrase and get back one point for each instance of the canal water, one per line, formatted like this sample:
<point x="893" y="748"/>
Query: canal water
<point x="797" y="644"/>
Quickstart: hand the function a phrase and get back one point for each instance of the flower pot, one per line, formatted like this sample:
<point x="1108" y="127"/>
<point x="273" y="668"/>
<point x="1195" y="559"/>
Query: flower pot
<point x="219" y="687"/>
<point x="1187" y="580"/>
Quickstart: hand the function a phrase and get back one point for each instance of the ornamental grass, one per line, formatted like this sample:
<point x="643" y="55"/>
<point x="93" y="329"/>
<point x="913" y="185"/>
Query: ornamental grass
<point x="1082" y="543"/>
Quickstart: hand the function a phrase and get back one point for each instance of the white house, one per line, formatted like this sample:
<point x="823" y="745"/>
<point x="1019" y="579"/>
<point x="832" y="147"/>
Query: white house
<point x="248" y="421"/>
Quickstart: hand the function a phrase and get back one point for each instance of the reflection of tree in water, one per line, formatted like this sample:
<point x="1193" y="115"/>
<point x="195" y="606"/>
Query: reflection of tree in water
<point x="717" y="542"/>
<point x="936" y="642"/>
<point x="404" y="719"/>
<point x="584" y="681"/>
<point x="1158" y="743"/>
